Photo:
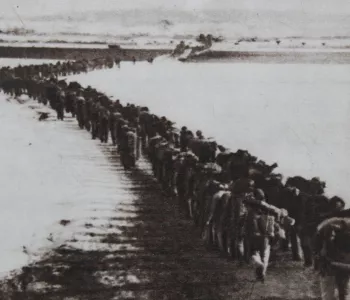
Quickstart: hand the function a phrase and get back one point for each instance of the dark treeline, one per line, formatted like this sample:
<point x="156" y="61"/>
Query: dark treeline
<point x="78" y="53"/>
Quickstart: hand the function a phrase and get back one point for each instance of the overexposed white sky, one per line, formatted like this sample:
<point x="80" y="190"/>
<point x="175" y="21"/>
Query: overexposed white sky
<point x="44" y="7"/>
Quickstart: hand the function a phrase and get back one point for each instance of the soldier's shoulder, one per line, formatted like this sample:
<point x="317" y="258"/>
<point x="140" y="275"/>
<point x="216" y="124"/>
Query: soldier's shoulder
<point x="334" y="221"/>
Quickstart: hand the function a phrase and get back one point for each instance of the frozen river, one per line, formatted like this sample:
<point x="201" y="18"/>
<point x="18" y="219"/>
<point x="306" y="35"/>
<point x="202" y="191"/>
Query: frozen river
<point x="293" y="114"/>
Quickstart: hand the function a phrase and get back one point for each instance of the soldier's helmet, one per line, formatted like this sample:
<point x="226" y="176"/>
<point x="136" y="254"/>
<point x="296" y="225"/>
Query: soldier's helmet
<point x="199" y="133"/>
<point x="221" y="148"/>
<point x="259" y="194"/>
<point x="337" y="203"/>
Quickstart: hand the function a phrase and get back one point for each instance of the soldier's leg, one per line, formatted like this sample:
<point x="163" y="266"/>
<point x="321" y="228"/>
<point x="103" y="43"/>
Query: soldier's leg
<point x="112" y="135"/>
<point x="164" y="176"/>
<point x="221" y="235"/>
<point x="87" y="125"/>
<point x="230" y="245"/>
<point x="328" y="285"/>
<point x="100" y="133"/>
<point x="94" y="130"/>
<point x="342" y="283"/>
<point x="133" y="160"/>
<point x="295" y="242"/>
<point x="260" y="256"/>
<point x="307" y="249"/>
<point x="240" y="248"/>
<point x="81" y="125"/>
<point x="247" y="249"/>
<point x="285" y="242"/>
<point x="265" y="254"/>
<point x="143" y="139"/>
<point x="138" y="147"/>
<point x="106" y="133"/>
<point x="257" y="259"/>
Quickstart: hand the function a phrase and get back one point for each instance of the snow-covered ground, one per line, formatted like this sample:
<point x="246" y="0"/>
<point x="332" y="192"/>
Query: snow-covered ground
<point x="293" y="114"/>
<point x="50" y="172"/>
<point x="14" y="62"/>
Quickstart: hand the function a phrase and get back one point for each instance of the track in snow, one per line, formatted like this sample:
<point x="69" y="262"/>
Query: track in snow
<point x="135" y="244"/>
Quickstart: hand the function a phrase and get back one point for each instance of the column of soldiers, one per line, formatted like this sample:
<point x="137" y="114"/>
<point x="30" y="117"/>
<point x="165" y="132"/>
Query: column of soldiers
<point x="240" y="204"/>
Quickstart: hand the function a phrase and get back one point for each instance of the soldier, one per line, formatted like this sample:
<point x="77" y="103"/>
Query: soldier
<point x="199" y="135"/>
<point x="132" y="137"/>
<point x="169" y="169"/>
<point x="42" y="92"/>
<point x="260" y="247"/>
<point x="118" y="106"/>
<point x="152" y="151"/>
<point x="263" y="229"/>
<point x="103" y="124"/>
<point x="60" y="105"/>
<point x="95" y="119"/>
<point x="80" y="102"/>
<point x="183" y="139"/>
<point x="145" y="119"/>
<point x="117" y="61"/>
<point x="52" y="92"/>
<point x="120" y="131"/>
<point x="242" y="190"/>
<point x="311" y="208"/>
<point x="332" y="249"/>
<point x="87" y="113"/>
<point x="125" y="146"/>
<point x="114" y="116"/>
<point x="207" y="186"/>
<point x="70" y="102"/>
<point x="179" y="49"/>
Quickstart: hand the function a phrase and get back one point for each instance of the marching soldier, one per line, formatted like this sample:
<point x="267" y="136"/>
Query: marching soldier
<point x="114" y="116"/>
<point x="332" y="249"/>
<point x="94" y="120"/>
<point x="60" y="105"/>
<point x="70" y="103"/>
<point x="80" y="102"/>
<point x="132" y="142"/>
<point x="103" y="124"/>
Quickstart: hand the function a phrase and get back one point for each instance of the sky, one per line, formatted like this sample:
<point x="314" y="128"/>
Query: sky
<point x="43" y="7"/>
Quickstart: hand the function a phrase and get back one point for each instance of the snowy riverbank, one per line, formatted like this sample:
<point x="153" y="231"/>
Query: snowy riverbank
<point x="49" y="173"/>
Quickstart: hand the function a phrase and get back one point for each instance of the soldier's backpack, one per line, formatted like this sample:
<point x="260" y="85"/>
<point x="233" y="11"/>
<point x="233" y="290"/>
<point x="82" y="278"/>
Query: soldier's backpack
<point x="263" y="225"/>
<point x="334" y="236"/>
